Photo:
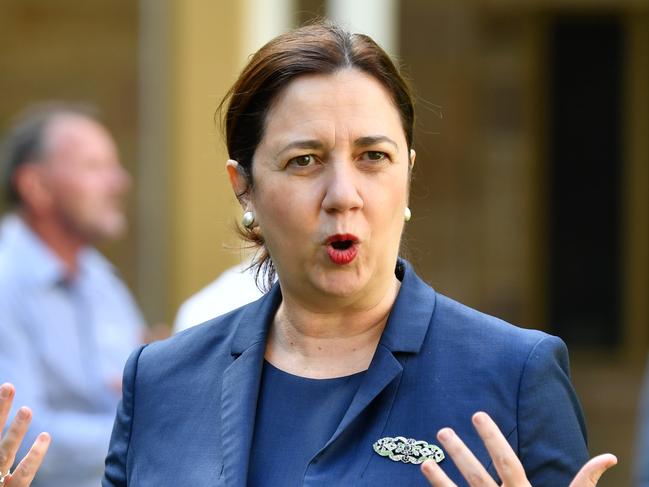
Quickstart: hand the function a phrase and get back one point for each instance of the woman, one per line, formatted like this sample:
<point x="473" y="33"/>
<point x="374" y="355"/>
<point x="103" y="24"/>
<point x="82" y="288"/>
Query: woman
<point x="343" y="373"/>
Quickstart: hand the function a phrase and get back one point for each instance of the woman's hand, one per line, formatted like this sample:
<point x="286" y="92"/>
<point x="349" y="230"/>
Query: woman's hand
<point x="507" y="465"/>
<point x="24" y="473"/>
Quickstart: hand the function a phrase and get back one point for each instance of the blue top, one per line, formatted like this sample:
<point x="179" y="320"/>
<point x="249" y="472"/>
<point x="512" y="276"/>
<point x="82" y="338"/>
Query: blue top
<point x="189" y="402"/>
<point x="63" y="343"/>
<point x="295" y="419"/>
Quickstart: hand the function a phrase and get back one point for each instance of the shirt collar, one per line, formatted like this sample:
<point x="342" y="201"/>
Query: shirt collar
<point x="256" y="320"/>
<point x="411" y="314"/>
<point x="34" y="260"/>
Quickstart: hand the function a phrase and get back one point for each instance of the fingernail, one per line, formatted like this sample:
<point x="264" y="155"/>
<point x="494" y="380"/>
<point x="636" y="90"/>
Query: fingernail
<point x="5" y="392"/>
<point x="23" y="413"/>
<point x="479" y="418"/>
<point x="445" y="434"/>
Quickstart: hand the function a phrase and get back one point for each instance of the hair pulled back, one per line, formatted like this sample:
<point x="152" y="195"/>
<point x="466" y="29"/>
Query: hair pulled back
<point x="318" y="48"/>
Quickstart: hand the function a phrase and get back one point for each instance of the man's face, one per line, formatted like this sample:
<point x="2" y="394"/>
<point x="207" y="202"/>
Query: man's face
<point x="84" y="178"/>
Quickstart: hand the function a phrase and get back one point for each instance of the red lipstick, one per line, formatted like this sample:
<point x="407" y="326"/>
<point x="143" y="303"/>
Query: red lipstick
<point x="342" y="248"/>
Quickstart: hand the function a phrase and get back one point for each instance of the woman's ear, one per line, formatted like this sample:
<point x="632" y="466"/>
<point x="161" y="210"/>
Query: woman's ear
<point x="413" y="156"/>
<point x="238" y="182"/>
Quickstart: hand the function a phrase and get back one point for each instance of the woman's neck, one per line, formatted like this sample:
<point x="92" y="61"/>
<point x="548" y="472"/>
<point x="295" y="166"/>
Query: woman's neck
<point x="328" y="344"/>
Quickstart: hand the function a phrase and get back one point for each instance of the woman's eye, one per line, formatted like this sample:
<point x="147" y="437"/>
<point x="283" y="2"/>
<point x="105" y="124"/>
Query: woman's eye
<point x="373" y="155"/>
<point x="302" y="161"/>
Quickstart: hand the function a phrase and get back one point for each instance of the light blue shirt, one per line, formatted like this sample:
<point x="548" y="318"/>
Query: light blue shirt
<point x="63" y="344"/>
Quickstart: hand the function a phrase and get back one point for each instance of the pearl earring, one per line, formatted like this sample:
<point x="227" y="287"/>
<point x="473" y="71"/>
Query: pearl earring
<point x="248" y="219"/>
<point x="407" y="214"/>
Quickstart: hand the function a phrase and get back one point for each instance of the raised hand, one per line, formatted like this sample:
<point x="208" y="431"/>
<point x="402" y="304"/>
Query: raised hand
<point x="506" y="462"/>
<point x="24" y="473"/>
<point x="590" y="473"/>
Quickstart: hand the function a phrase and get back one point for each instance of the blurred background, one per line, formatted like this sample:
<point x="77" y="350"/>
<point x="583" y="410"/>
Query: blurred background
<point x="531" y="191"/>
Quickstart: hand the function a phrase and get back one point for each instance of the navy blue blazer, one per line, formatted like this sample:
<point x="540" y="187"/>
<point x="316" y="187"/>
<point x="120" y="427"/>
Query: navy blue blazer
<point x="188" y="408"/>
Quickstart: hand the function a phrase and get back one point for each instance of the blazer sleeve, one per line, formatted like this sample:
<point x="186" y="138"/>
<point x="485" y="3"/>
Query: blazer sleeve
<point x="551" y="429"/>
<point x="115" y="474"/>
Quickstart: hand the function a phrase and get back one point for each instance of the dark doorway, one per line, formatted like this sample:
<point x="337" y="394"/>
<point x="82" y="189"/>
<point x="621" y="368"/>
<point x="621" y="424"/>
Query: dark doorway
<point x="586" y="61"/>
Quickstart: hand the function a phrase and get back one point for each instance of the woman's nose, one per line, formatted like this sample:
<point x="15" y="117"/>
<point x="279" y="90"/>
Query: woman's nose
<point x="341" y="192"/>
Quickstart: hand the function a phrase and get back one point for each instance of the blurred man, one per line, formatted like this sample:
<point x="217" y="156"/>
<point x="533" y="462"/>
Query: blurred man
<point x="67" y="322"/>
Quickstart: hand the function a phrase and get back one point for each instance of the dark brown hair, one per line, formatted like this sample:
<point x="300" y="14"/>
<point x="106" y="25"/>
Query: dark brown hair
<point x="317" y="48"/>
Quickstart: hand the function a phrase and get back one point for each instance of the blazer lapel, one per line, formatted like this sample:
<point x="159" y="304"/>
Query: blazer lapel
<point x="238" y="407"/>
<point x="404" y="335"/>
<point x="240" y="388"/>
<point x="383" y="371"/>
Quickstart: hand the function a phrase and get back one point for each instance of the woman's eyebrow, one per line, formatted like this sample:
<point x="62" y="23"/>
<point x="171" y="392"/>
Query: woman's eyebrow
<point x="313" y="144"/>
<point x="370" y="140"/>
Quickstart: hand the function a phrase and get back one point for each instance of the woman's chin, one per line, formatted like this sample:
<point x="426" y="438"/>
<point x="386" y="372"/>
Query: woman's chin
<point x="339" y="284"/>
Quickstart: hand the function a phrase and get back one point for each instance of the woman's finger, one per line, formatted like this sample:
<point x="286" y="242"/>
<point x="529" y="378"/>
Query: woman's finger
<point x="466" y="462"/>
<point x="11" y="442"/>
<point x="435" y="475"/>
<point x="27" y="468"/>
<point x="6" y="398"/>
<point x="507" y="464"/>
<point x="590" y="473"/>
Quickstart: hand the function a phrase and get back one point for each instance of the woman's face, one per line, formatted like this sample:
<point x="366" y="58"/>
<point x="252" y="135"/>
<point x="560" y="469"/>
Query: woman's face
<point x="331" y="177"/>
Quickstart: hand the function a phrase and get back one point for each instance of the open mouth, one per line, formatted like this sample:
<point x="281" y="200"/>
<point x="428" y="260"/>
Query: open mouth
<point x="342" y="244"/>
<point x="342" y="248"/>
